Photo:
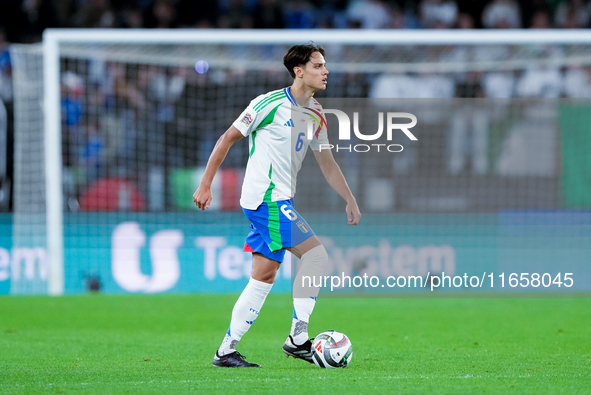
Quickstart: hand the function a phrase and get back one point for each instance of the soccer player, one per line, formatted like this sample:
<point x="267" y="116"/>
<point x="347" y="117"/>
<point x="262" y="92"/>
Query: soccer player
<point x="273" y="123"/>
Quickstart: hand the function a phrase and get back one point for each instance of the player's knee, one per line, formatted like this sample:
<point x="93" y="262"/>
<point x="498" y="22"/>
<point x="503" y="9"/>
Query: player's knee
<point x="264" y="269"/>
<point x="316" y="256"/>
<point x="265" y="277"/>
<point x="322" y="253"/>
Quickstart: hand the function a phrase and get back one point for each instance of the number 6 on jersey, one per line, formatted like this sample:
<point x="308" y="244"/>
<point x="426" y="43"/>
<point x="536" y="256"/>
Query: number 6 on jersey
<point x="288" y="213"/>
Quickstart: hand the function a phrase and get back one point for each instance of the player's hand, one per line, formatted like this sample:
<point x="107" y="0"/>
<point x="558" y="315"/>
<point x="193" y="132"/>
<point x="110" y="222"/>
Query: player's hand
<point x="353" y="213"/>
<point x="202" y="197"/>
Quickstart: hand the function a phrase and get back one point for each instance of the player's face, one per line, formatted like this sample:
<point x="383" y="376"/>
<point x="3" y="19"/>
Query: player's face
<point x="315" y="72"/>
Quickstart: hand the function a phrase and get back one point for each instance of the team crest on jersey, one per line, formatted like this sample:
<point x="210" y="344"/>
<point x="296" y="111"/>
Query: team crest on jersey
<point x="247" y="119"/>
<point x="302" y="226"/>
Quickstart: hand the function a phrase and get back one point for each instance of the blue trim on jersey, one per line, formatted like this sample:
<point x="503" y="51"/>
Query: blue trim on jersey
<point x="289" y="96"/>
<point x="293" y="232"/>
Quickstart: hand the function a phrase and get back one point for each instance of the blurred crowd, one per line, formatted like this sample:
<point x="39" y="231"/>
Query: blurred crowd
<point x="25" y="20"/>
<point x="155" y="124"/>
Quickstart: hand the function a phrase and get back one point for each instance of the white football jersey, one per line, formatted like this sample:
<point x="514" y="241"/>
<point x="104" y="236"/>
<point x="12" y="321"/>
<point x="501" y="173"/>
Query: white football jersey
<point x="278" y="134"/>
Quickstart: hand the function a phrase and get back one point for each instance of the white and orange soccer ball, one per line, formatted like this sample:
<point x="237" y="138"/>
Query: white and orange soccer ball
<point x="332" y="349"/>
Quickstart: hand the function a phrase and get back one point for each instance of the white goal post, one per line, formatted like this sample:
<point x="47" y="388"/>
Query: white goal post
<point x="53" y="39"/>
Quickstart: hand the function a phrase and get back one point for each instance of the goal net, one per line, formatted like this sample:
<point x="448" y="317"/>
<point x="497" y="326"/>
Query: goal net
<point x="114" y="129"/>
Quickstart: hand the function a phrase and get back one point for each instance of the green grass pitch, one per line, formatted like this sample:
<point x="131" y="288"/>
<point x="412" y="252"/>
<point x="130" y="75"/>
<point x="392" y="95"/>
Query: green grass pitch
<point x="164" y="344"/>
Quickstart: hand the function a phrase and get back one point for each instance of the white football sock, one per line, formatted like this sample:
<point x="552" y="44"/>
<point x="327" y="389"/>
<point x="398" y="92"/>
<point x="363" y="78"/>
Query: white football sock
<point x="313" y="264"/>
<point x="302" y="308"/>
<point x="245" y="312"/>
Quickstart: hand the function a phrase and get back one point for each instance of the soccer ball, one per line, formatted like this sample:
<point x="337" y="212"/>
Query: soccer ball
<point x="332" y="349"/>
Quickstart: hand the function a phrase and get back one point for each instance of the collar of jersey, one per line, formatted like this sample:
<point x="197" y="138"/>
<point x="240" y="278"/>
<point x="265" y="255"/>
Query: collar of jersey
<point x="290" y="97"/>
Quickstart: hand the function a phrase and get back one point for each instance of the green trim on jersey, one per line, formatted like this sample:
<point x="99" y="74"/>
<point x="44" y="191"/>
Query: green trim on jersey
<point x="260" y="105"/>
<point x="267" y="97"/>
<point x="273" y="224"/>
<point x="268" y="119"/>
<point x="254" y="134"/>
<point x="281" y="97"/>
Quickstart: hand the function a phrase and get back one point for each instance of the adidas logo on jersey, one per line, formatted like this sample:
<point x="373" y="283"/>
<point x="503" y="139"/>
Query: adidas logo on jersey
<point x="289" y="123"/>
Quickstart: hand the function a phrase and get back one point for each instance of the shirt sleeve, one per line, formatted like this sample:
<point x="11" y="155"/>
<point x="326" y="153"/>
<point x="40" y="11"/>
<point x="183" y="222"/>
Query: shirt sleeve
<point x="246" y="121"/>
<point x="250" y="118"/>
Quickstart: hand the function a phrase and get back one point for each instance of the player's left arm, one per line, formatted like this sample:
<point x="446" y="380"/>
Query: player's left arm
<point x="335" y="178"/>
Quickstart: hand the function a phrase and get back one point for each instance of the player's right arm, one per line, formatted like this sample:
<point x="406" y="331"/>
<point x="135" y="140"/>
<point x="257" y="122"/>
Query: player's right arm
<point x="202" y="196"/>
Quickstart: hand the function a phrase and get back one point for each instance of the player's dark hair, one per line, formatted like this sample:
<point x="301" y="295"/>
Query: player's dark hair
<point x="299" y="55"/>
